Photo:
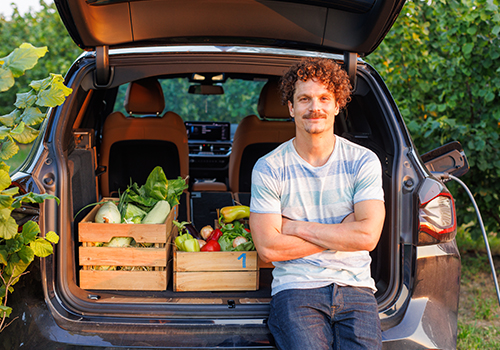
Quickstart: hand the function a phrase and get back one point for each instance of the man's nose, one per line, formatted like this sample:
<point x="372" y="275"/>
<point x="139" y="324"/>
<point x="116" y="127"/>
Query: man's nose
<point x="314" y="105"/>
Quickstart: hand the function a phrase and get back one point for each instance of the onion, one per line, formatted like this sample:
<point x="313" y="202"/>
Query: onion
<point x="201" y="242"/>
<point x="206" y="231"/>
<point x="239" y="240"/>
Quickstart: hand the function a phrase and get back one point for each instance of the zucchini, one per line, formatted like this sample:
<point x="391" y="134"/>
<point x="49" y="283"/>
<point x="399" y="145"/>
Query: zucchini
<point x="158" y="214"/>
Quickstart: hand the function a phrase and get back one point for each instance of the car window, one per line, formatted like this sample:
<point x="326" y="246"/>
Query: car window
<point x="240" y="99"/>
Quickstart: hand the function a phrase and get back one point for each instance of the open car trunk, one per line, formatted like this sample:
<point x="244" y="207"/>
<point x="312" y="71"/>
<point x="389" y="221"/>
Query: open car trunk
<point x="365" y="121"/>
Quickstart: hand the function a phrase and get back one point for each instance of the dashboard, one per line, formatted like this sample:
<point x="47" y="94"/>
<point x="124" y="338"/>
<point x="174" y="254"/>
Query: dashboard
<point x="209" y="149"/>
<point x="208" y="131"/>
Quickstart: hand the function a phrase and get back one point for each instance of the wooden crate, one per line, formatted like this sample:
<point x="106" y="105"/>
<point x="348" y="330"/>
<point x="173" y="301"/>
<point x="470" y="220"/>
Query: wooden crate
<point x="155" y="258"/>
<point x="215" y="271"/>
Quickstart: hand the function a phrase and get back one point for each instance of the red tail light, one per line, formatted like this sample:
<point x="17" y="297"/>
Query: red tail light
<point x="437" y="217"/>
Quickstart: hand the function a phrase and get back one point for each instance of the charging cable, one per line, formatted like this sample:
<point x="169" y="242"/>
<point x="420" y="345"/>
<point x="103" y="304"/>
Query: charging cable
<point x="446" y="176"/>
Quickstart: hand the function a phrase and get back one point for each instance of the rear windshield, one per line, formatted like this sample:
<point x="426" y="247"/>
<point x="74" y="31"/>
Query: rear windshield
<point x="239" y="99"/>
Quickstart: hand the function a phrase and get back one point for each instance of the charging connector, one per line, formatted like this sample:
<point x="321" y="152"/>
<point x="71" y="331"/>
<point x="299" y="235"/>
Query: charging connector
<point x="445" y="177"/>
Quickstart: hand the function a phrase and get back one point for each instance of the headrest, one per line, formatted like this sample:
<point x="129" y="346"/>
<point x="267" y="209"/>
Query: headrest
<point x="270" y="102"/>
<point x="144" y="96"/>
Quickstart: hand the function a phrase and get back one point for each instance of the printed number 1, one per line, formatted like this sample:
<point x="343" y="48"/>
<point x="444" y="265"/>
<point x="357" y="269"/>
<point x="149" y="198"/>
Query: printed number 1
<point x="243" y="257"/>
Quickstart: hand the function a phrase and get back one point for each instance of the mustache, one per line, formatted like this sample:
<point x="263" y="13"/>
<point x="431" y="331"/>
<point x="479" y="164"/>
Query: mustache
<point x="314" y="115"/>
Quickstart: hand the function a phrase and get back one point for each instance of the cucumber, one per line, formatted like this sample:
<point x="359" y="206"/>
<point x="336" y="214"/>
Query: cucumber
<point x="158" y="214"/>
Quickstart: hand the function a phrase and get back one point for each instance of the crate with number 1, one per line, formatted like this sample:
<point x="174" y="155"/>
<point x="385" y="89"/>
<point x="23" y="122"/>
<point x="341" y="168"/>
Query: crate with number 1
<point x="215" y="271"/>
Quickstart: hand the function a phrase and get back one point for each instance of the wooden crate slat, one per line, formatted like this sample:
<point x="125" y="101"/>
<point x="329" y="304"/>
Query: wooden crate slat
<point x="215" y="281"/>
<point x="123" y="280"/>
<point x="89" y="231"/>
<point x="216" y="261"/>
<point x="143" y="233"/>
<point x="129" y="256"/>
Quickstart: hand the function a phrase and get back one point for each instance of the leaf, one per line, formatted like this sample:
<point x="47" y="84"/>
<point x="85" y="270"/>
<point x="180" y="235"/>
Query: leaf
<point x="23" y="58"/>
<point x="6" y="79"/>
<point x="32" y="116"/>
<point x="5" y="180"/>
<point x="4" y="132"/>
<point x="5" y="311"/>
<point x="33" y="198"/>
<point x="467" y="48"/>
<point x="496" y="30"/>
<point x="9" y="149"/>
<point x="41" y="247"/>
<point x="175" y="189"/>
<point x="156" y="185"/>
<point x="490" y="96"/>
<point x="5" y="213"/>
<point x="472" y="30"/>
<point x="4" y="166"/>
<point x="15" y="269"/>
<point x="8" y="228"/>
<point x="18" y="129"/>
<point x="9" y="119"/>
<point x="26" y="254"/>
<point x="52" y="237"/>
<point x="56" y="94"/>
<point x="29" y="232"/>
<point x="28" y="135"/>
<point x="43" y="84"/>
<point x="5" y="201"/>
<point x="25" y="99"/>
<point x="3" y="256"/>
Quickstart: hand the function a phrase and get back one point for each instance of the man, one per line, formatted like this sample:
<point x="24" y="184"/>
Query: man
<point x="316" y="211"/>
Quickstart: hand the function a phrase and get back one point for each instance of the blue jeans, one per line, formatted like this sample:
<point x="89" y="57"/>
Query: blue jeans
<point x="331" y="317"/>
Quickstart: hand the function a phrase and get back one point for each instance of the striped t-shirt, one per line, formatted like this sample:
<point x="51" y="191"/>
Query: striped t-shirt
<point x="284" y="183"/>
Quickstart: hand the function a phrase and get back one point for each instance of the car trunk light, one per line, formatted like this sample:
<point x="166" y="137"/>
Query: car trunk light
<point x="437" y="217"/>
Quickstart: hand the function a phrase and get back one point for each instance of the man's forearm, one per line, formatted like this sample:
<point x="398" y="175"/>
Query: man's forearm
<point x="358" y="232"/>
<point x="344" y="237"/>
<point x="272" y="245"/>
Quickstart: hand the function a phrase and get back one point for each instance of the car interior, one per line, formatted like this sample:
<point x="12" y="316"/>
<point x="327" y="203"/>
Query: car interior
<point x="121" y="133"/>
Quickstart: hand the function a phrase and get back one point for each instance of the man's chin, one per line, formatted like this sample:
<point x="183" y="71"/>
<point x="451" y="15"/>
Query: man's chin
<point x="314" y="131"/>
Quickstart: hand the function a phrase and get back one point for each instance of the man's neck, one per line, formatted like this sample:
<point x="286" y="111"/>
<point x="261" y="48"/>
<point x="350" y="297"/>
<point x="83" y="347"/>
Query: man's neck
<point x="315" y="149"/>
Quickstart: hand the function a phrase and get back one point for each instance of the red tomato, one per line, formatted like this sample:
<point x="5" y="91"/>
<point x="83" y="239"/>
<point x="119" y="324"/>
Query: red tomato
<point x="211" y="246"/>
<point x="215" y="235"/>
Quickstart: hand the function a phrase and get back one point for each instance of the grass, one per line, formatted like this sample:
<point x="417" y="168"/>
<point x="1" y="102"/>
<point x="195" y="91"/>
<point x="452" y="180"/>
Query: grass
<point x="478" y="314"/>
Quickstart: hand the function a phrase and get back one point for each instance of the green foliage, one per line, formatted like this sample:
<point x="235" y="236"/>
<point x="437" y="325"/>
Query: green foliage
<point x="18" y="249"/>
<point x="43" y="28"/>
<point x="440" y="61"/>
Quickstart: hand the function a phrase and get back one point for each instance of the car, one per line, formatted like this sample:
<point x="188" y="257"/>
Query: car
<point x="191" y="86"/>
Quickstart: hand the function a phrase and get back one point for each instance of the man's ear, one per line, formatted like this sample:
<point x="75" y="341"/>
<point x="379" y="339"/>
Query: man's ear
<point x="290" y="108"/>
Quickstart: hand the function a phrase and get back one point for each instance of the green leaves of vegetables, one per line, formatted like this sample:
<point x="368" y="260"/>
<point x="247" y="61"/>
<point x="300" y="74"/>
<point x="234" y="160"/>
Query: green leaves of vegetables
<point x="230" y="232"/>
<point x="156" y="185"/>
<point x="156" y="188"/>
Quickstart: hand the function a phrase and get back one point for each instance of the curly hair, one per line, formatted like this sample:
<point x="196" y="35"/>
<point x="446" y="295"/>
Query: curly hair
<point x="324" y="70"/>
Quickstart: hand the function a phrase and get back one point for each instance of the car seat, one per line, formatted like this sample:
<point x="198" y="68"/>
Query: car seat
<point x="256" y="136"/>
<point x="133" y="145"/>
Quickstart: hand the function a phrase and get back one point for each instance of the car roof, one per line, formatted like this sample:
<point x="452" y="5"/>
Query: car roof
<point x="336" y="26"/>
